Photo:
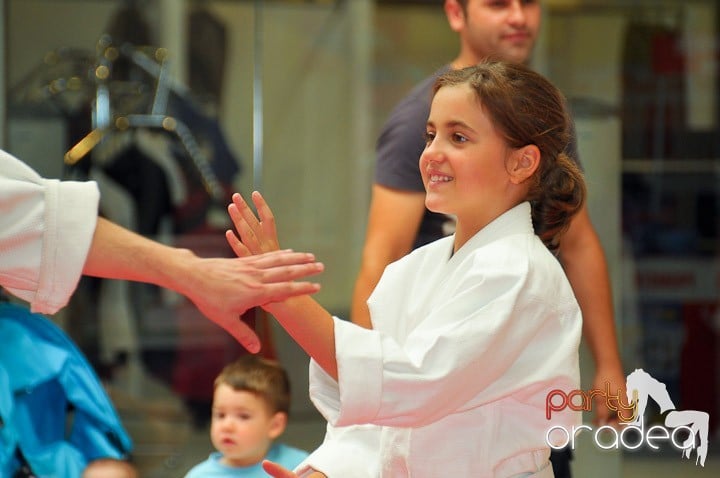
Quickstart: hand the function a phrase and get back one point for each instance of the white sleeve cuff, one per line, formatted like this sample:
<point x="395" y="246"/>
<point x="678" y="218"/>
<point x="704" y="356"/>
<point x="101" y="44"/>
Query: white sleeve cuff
<point x="346" y="452"/>
<point x="70" y="219"/>
<point x="355" y="397"/>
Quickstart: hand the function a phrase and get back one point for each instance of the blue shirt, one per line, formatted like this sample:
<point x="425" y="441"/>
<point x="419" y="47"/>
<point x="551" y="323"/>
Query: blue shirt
<point x="284" y="455"/>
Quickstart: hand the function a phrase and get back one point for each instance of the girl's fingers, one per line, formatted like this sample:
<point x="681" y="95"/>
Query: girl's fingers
<point x="267" y="219"/>
<point x="247" y="235"/>
<point x="246" y="212"/>
<point x="257" y="233"/>
<point x="249" y="238"/>
<point x="238" y="247"/>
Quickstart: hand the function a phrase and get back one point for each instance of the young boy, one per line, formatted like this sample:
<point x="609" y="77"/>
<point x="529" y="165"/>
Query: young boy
<point x="250" y="411"/>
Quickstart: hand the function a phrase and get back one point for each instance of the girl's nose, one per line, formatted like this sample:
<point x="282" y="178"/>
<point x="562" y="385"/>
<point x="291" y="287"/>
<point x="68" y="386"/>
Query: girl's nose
<point x="434" y="152"/>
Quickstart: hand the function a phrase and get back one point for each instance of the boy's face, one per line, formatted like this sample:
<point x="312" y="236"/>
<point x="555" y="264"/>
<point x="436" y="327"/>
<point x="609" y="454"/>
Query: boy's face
<point x="242" y="426"/>
<point x="501" y="29"/>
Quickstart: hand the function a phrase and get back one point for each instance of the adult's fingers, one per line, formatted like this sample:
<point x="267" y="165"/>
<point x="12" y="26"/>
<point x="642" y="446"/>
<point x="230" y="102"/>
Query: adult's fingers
<point x="290" y="273"/>
<point x="277" y="259"/>
<point x="284" y="257"/>
<point x="241" y="332"/>
<point x="283" y="290"/>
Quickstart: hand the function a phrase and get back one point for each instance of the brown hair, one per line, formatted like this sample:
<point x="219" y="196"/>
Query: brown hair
<point x="261" y="376"/>
<point x="526" y="109"/>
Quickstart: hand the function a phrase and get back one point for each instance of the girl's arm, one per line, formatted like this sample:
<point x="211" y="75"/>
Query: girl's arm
<point x="307" y="322"/>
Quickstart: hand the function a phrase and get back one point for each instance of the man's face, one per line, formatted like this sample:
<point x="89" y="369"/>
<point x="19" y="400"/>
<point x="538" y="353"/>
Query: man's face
<point x="501" y="29"/>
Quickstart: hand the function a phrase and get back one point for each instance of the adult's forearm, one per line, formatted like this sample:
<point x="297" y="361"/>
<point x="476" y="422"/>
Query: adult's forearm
<point x="117" y="253"/>
<point x="591" y="283"/>
<point x="585" y="265"/>
<point x="393" y="221"/>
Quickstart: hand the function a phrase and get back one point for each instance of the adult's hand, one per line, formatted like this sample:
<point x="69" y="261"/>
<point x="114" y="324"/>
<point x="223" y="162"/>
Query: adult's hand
<point x="223" y="289"/>
<point x="614" y="379"/>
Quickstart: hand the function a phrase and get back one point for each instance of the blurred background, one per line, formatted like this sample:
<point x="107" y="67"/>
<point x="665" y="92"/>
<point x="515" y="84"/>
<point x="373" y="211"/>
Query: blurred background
<point x="171" y="105"/>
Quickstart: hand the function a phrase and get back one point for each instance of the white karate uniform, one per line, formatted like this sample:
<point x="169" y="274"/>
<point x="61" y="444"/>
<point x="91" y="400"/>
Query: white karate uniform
<point x="46" y="227"/>
<point x="453" y="379"/>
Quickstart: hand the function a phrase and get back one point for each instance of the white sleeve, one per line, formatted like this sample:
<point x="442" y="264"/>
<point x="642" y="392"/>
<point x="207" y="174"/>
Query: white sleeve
<point x="46" y="228"/>
<point x="346" y="452"/>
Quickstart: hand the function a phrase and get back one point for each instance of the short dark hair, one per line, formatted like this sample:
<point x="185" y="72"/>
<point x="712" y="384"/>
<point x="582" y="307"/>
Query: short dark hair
<point x="261" y="376"/>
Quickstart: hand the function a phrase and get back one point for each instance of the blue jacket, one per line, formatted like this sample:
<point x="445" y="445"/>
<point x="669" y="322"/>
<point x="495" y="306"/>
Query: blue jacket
<point x="53" y="407"/>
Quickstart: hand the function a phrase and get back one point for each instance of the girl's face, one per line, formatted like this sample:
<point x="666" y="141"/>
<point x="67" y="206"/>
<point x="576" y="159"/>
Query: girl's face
<point x="463" y="165"/>
<point x="242" y="426"/>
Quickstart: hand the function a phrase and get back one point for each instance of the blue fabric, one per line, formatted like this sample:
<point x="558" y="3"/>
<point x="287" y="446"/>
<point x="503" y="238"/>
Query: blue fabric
<point x="284" y="455"/>
<point x="52" y="404"/>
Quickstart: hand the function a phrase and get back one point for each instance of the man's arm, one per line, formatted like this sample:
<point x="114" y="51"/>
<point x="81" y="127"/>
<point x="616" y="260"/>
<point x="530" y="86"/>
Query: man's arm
<point x="221" y="288"/>
<point x="50" y="234"/>
<point x="393" y="223"/>
<point x="584" y="261"/>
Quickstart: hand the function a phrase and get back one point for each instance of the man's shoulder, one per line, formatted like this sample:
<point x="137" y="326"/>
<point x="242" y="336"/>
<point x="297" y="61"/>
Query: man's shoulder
<point x="411" y="112"/>
<point x="401" y="141"/>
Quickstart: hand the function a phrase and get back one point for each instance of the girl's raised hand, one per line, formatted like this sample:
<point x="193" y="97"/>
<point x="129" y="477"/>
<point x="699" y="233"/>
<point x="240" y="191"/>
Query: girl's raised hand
<point x="257" y="234"/>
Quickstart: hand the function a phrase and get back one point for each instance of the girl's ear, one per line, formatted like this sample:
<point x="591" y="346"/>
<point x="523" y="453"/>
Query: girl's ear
<point x="278" y="422"/>
<point x="455" y="15"/>
<point x="525" y="162"/>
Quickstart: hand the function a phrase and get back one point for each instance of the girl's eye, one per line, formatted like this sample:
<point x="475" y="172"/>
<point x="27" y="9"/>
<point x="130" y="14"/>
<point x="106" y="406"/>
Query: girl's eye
<point x="429" y="137"/>
<point x="459" y="138"/>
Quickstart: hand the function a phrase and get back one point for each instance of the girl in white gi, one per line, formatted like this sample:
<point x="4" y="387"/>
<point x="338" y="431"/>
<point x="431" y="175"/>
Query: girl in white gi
<point x="471" y="332"/>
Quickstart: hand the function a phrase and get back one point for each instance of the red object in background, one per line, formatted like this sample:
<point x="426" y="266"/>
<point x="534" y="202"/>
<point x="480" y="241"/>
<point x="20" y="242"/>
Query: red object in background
<point x="700" y="360"/>
<point x="667" y="54"/>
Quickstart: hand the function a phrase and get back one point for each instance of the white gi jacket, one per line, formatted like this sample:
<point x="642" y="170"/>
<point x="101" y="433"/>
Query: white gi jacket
<point x="453" y="378"/>
<point x="46" y="227"/>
